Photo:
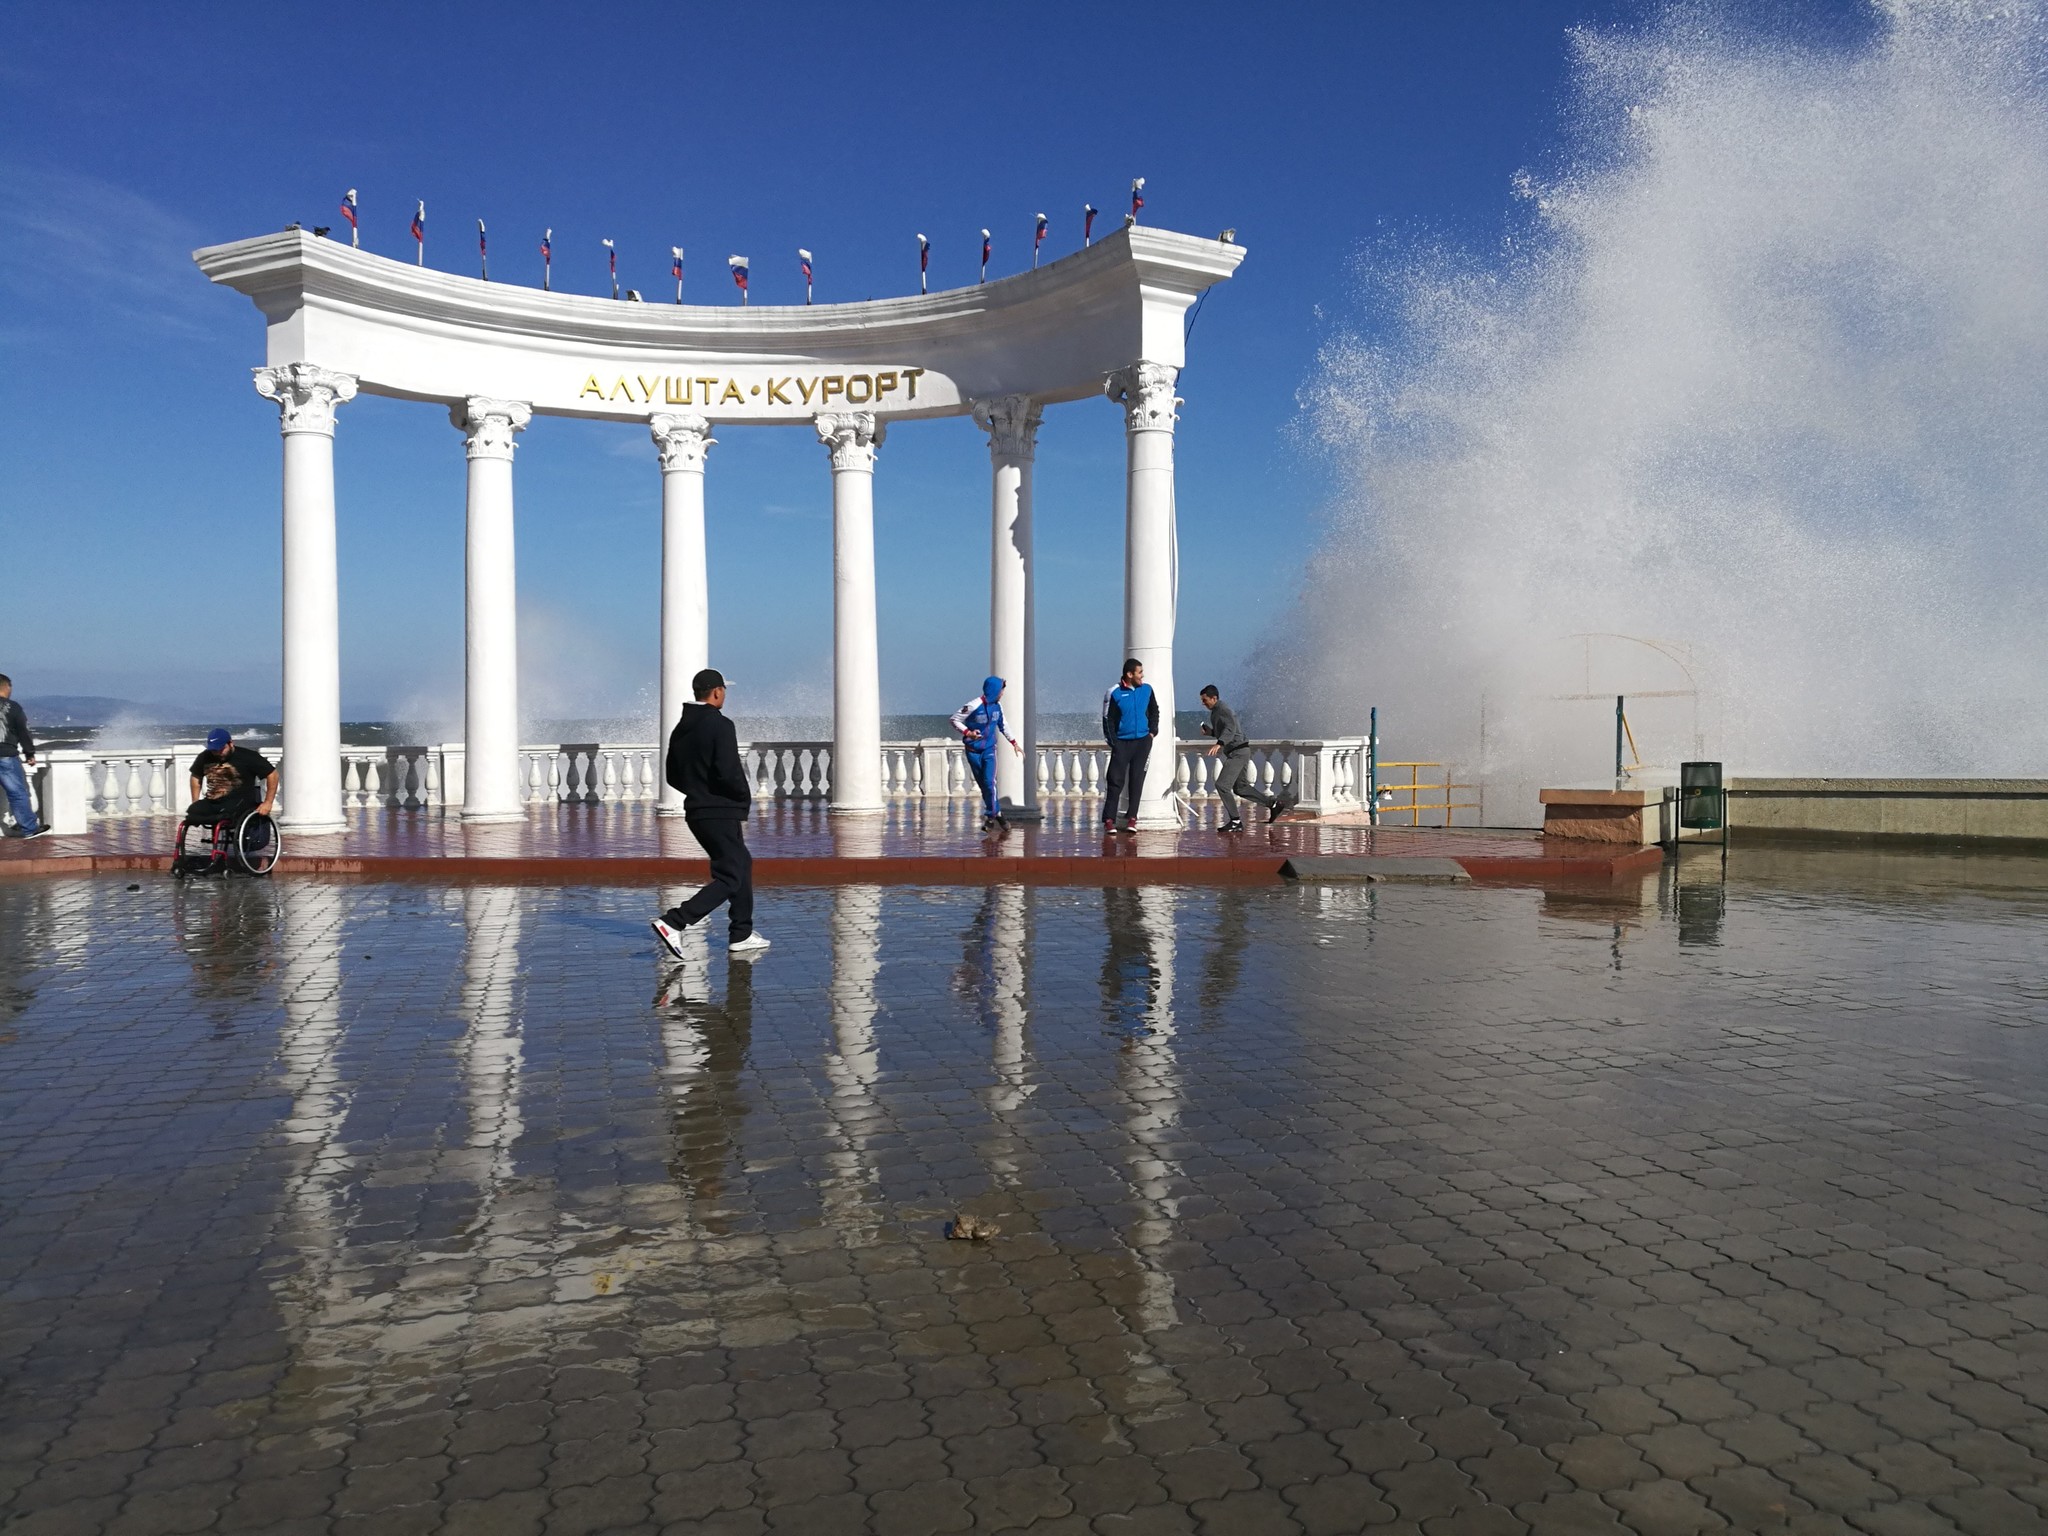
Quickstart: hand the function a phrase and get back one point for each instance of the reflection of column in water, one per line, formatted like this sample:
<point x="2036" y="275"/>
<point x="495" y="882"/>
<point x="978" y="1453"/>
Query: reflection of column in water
<point x="992" y="978"/>
<point x="309" y="988"/>
<point x="491" y="1046"/>
<point x="1009" y="969"/>
<point x="1138" y="983"/>
<point x="852" y="1065"/>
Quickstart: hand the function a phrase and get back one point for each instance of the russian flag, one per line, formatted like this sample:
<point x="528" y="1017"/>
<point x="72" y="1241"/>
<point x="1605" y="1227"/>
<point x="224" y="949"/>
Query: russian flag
<point x="739" y="271"/>
<point x="924" y="254"/>
<point x="1088" y="212"/>
<point x="676" y="262"/>
<point x="1137" y="195"/>
<point x="547" y="247"/>
<point x="986" y="246"/>
<point x="419" y="222"/>
<point x="1038" y="239"/>
<point x="804" y="260"/>
<point x="348" y="207"/>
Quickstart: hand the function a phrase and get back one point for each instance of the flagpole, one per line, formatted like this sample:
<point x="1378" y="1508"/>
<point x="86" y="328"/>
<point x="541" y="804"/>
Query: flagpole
<point x="419" y="232"/>
<point x="1037" y="239"/>
<point x="984" y="255"/>
<point x="547" y="260"/>
<point x="924" y="260"/>
<point x="676" y="254"/>
<point x="348" y="211"/>
<point x="612" y="254"/>
<point x="804" y="258"/>
<point x="483" y="251"/>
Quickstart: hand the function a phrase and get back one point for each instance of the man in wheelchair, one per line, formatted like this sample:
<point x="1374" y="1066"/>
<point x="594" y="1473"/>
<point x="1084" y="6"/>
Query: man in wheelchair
<point x="228" y="823"/>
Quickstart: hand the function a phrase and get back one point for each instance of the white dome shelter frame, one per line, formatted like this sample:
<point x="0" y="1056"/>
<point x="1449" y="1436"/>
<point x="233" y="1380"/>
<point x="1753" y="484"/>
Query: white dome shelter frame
<point x="1107" y="319"/>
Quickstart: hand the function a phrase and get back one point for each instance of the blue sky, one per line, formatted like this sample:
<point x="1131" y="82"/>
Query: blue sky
<point x="139" y="470"/>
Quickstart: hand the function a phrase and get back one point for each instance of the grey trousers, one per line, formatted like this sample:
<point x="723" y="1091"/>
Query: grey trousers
<point x="1233" y="778"/>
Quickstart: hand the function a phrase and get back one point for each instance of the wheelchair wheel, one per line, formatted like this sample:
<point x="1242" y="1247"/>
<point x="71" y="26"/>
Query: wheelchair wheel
<point x="257" y="843"/>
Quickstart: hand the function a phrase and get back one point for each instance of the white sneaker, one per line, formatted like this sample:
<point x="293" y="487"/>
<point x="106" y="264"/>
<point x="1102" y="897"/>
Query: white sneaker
<point x="671" y="937"/>
<point x="752" y="944"/>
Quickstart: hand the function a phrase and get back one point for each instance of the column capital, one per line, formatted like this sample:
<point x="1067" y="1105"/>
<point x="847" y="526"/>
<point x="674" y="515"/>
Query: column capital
<point x="1145" y="391"/>
<point x="489" y="424"/>
<point x="682" y="440"/>
<point x="306" y="395"/>
<point x="853" y="438"/>
<point x="1011" y="422"/>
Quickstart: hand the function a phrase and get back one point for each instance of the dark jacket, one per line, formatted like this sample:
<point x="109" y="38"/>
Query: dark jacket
<point x="15" y="740"/>
<point x="704" y="763"/>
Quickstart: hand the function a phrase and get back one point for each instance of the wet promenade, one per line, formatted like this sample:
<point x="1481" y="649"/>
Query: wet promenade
<point x="1661" y="1207"/>
<point x="799" y="842"/>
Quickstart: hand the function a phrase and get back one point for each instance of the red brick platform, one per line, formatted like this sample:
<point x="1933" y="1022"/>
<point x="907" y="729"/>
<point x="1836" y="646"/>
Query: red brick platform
<point x="798" y="843"/>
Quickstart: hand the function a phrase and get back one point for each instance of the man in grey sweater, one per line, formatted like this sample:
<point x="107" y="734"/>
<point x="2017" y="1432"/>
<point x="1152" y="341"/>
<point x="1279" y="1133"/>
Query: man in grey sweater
<point x="1230" y="744"/>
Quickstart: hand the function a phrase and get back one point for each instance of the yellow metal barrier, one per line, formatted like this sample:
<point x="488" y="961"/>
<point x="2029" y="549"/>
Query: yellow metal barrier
<point x="1415" y="789"/>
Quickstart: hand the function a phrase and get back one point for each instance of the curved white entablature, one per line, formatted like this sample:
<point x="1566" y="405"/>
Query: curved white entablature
<point x="1050" y="334"/>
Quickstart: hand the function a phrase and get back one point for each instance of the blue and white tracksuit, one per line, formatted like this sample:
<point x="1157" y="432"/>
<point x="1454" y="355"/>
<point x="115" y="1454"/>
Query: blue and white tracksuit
<point x="982" y="730"/>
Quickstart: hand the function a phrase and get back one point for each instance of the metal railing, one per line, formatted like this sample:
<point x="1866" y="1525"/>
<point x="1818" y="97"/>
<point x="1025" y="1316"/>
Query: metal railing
<point x="1416" y="790"/>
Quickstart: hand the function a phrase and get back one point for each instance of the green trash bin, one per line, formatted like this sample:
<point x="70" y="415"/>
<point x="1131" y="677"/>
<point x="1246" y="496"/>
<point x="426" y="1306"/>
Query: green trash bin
<point x="1702" y="802"/>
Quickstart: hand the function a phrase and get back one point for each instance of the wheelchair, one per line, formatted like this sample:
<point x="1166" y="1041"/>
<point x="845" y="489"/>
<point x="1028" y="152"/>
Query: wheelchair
<point x="234" y="840"/>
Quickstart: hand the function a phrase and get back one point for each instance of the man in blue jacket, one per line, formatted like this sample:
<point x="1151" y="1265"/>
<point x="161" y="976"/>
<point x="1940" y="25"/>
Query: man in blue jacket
<point x="704" y="763"/>
<point x="1130" y="719"/>
<point x="980" y="724"/>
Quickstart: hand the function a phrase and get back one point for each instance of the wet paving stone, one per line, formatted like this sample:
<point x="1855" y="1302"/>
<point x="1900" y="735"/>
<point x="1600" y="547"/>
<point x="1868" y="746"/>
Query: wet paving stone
<point x="1672" y="1207"/>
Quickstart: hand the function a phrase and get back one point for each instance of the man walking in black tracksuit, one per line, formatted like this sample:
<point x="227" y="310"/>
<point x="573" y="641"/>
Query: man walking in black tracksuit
<point x="704" y="763"/>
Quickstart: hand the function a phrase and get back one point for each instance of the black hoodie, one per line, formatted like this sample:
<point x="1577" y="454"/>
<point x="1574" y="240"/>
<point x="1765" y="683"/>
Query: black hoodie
<point x="704" y="763"/>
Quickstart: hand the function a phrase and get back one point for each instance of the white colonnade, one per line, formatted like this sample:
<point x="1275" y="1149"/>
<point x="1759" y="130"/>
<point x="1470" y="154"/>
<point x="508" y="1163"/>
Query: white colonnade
<point x="340" y="320"/>
<point x="1151" y="559"/>
<point x="685" y="573"/>
<point x="306" y="398"/>
<point x="1012" y="426"/>
<point x="491" y="789"/>
<point x="851" y="440"/>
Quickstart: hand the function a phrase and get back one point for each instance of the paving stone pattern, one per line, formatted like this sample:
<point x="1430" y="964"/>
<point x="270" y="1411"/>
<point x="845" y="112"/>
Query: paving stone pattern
<point x="396" y="1208"/>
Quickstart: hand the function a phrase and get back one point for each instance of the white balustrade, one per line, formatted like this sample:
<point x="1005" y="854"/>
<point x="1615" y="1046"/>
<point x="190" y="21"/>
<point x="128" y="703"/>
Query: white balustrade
<point x="1328" y="775"/>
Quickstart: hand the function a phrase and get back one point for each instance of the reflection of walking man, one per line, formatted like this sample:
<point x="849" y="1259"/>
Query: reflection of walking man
<point x="17" y="747"/>
<point x="704" y="763"/>
<point x="1130" y="719"/>
<point x="1236" y="751"/>
<point x="981" y="726"/>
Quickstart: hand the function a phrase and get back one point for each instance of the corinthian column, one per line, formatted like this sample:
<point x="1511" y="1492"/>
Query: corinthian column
<point x="1012" y="426"/>
<point x="685" y="581"/>
<point x="1151" y="561"/>
<point x="856" y="655"/>
<point x="306" y="397"/>
<point x="491" y="789"/>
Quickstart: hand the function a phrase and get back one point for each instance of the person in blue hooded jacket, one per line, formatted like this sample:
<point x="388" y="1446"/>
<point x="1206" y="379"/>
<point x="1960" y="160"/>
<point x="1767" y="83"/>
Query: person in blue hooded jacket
<point x="980" y="724"/>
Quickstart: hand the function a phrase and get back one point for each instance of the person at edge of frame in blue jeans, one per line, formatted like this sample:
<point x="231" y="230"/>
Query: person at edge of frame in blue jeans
<point x="981" y="725"/>
<point x="1130" y="719"/>
<point x="17" y="747"/>
<point x="704" y="763"/>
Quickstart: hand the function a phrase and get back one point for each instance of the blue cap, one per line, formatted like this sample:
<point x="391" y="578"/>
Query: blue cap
<point x="216" y="739"/>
